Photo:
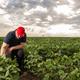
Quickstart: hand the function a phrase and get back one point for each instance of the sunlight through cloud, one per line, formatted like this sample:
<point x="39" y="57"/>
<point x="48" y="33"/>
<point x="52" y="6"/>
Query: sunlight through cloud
<point x="64" y="9"/>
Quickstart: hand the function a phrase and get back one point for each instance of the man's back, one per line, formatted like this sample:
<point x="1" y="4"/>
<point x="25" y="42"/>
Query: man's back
<point x="12" y="40"/>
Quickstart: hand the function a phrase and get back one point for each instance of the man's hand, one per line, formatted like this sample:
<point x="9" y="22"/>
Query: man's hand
<point x="9" y="50"/>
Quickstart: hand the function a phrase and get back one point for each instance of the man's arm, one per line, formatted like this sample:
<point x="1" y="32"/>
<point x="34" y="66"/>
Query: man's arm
<point x="17" y="47"/>
<point x="4" y="48"/>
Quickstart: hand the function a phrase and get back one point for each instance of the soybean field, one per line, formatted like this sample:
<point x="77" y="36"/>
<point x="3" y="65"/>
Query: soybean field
<point x="49" y="58"/>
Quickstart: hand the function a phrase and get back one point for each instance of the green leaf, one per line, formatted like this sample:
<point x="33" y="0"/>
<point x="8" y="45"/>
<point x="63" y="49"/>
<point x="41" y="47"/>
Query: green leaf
<point x="7" y="73"/>
<point x="1" y="69"/>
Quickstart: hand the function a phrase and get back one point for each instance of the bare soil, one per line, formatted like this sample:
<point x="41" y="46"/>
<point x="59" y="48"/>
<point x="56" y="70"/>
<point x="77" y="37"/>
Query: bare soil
<point x="28" y="76"/>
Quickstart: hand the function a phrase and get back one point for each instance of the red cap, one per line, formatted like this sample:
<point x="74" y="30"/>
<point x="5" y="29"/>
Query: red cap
<point x="20" y="31"/>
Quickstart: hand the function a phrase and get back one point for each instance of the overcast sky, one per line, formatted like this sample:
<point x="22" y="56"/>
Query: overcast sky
<point x="41" y="17"/>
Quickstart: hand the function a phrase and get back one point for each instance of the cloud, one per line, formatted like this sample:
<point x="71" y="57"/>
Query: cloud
<point x="61" y="28"/>
<point x="2" y="11"/>
<point x="64" y="9"/>
<point x="49" y="18"/>
<point x="42" y="14"/>
<point x="37" y="9"/>
<point x="72" y="2"/>
<point x="4" y="3"/>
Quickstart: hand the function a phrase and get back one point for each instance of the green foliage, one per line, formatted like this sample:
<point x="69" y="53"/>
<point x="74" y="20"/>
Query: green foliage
<point x="8" y="69"/>
<point x="49" y="58"/>
<point x="54" y="58"/>
<point x="1" y="39"/>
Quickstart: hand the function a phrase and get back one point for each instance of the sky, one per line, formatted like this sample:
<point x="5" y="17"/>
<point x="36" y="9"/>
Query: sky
<point x="59" y="18"/>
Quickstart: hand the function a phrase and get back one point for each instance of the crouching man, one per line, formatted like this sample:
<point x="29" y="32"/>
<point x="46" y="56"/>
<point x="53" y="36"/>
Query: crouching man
<point x="13" y="45"/>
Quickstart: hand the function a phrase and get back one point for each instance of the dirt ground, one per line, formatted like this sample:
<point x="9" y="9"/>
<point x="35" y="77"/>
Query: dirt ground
<point x="28" y="76"/>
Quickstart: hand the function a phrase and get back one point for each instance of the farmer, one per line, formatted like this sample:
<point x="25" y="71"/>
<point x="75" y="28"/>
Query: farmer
<point x="13" y="45"/>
